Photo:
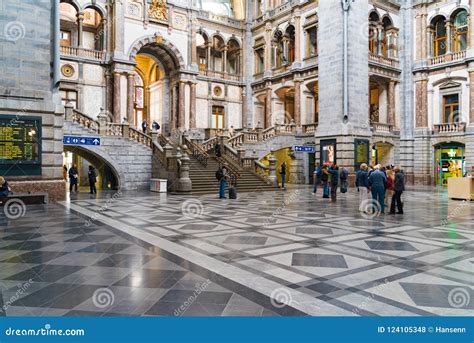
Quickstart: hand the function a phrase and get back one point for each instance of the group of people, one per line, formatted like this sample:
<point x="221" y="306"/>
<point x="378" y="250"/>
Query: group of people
<point x="380" y="182"/>
<point x="73" y="175"/>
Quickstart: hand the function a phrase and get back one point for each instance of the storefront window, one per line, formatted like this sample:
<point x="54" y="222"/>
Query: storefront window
<point x="450" y="162"/>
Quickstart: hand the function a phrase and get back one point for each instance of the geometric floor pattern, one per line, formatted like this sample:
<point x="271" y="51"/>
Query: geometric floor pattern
<point x="266" y="253"/>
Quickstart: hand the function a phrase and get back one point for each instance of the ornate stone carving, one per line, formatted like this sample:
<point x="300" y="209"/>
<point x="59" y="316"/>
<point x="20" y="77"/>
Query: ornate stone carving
<point x="157" y="10"/>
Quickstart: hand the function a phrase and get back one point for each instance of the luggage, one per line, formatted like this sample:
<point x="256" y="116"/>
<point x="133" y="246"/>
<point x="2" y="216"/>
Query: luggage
<point x="232" y="193"/>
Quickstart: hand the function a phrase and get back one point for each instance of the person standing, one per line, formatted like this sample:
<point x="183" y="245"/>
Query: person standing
<point x="378" y="183"/>
<point x="92" y="180"/>
<point x="362" y="184"/>
<point x="316" y="178"/>
<point x="344" y="175"/>
<point x="389" y="190"/>
<point x="283" y="175"/>
<point x="73" y="178"/>
<point x="217" y="150"/>
<point x="4" y="188"/>
<point x="144" y="126"/>
<point x="222" y="175"/>
<point x="325" y="180"/>
<point x="399" y="188"/>
<point x="334" y="171"/>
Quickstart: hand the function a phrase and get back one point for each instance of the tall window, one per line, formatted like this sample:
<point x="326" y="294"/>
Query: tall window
<point x="451" y="108"/>
<point x="217" y="117"/>
<point x="259" y="60"/>
<point x="201" y="47"/>
<point x="69" y="97"/>
<point x="439" y="38"/>
<point x="460" y="31"/>
<point x="312" y="42"/>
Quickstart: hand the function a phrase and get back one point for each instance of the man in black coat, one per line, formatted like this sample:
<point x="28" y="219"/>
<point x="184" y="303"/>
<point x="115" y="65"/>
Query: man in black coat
<point x="399" y="187"/>
<point x="73" y="178"/>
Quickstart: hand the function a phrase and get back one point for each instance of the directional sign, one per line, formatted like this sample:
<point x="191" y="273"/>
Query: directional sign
<point x="305" y="148"/>
<point x="78" y="140"/>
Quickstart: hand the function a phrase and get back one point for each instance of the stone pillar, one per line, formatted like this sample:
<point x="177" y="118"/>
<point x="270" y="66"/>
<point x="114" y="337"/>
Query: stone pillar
<point x="419" y="21"/>
<point x="424" y="43"/>
<point x="471" y="97"/>
<point x="104" y="33"/>
<point x="224" y="61"/>
<point x="449" y="30"/>
<point x="130" y="99"/>
<point x="429" y="39"/>
<point x="184" y="182"/>
<point x="379" y="40"/>
<point x="68" y="111"/>
<point x="192" y="105"/>
<point x="244" y="109"/>
<point x="272" y="177"/>
<point x="117" y="114"/>
<point x="268" y="107"/>
<point x="298" y="42"/>
<point x="174" y="104"/>
<point x="181" y="112"/>
<point x="268" y="47"/>
<point x="194" y="60"/>
<point x="208" y="57"/>
<point x="421" y="89"/>
<point x="80" y="23"/>
<point x="391" y="102"/>
<point x="471" y="25"/>
<point x="298" y="102"/>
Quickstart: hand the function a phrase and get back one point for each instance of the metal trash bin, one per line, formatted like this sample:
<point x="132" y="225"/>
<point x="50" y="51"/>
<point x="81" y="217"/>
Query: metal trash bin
<point x="158" y="185"/>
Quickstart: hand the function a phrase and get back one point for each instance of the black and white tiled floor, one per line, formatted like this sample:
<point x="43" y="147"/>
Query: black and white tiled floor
<point x="269" y="253"/>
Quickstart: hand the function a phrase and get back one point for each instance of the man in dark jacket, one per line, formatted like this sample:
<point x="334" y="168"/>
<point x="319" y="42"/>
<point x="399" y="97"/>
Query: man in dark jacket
<point x="92" y="180"/>
<point x="378" y="183"/>
<point x="344" y="174"/>
<point x="362" y="184"/>
<point x="334" y="171"/>
<point x="399" y="187"/>
<point x="283" y="175"/>
<point x="73" y="178"/>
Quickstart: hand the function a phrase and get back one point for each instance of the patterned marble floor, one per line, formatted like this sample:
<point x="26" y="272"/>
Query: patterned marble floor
<point x="267" y="253"/>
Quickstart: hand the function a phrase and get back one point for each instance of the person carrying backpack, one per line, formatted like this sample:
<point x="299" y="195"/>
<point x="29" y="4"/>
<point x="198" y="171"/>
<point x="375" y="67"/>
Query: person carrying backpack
<point x="343" y="175"/>
<point x="316" y="178"/>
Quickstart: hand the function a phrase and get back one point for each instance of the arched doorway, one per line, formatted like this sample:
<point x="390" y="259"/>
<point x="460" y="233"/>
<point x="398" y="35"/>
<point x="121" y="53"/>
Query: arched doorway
<point x="159" y="90"/>
<point x="449" y="161"/>
<point x="382" y="153"/>
<point x="107" y="178"/>
<point x="285" y="108"/>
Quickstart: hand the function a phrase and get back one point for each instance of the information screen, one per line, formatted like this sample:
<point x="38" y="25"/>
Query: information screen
<point x="20" y="139"/>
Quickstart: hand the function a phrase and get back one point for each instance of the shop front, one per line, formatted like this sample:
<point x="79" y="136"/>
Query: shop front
<point x="449" y="162"/>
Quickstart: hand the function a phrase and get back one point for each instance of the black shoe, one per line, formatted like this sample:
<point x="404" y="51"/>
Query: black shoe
<point x="391" y="212"/>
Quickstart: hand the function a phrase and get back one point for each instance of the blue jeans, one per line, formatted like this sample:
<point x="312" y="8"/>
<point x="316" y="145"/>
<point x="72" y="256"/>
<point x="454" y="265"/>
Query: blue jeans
<point x="378" y="194"/>
<point x="222" y="187"/>
<point x="325" y="189"/>
<point x="283" y="179"/>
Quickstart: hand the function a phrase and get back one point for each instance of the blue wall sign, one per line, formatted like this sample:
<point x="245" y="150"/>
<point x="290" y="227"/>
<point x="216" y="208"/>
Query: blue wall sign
<point x="78" y="140"/>
<point x="305" y="148"/>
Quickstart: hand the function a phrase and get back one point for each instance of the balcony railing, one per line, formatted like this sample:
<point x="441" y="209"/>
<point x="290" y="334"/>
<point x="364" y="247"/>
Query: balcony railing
<point x="81" y="52"/>
<point x="219" y="75"/>
<point x="309" y="128"/>
<point x="449" y="127"/>
<point x="455" y="56"/>
<point x="390" y="62"/>
<point x="381" y="127"/>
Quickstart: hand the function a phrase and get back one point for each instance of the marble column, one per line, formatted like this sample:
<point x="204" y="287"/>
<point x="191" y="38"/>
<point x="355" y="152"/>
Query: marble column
<point x="471" y="24"/>
<point x="298" y="42"/>
<point x="268" y="47"/>
<point x="421" y="89"/>
<point x="109" y="94"/>
<point x="80" y="24"/>
<point x="244" y="109"/>
<point x="268" y="107"/>
<point x="429" y="42"/>
<point x="103" y="34"/>
<point x="224" y="61"/>
<point x="449" y="30"/>
<point x="471" y="97"/>
<point x="194" y="60"/>
<point x="117" y="114"/>
<point x="192" y="105"/>
<point x="380" y="34"/>
<point x="298" y="102"/>
<point x="130" y="99"/>
<point x="391" y="103"/>
<point x="174" y="104"/>
<point x="424" y="43"/>
<point x="419" y="20"/>
<point x="181" y="109"/>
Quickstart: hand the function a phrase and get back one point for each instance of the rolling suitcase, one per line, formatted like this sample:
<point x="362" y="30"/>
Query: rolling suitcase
<point x="232" y="193"/>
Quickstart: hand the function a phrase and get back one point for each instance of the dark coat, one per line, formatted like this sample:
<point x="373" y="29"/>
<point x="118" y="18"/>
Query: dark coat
<point x="362" y="179"/>
<point x="334" y="175"/>
<point x="399" y="182"/>
<point x="92" y="176"/>
<point x="72" y="172"/>
<point x="378" y="179"/>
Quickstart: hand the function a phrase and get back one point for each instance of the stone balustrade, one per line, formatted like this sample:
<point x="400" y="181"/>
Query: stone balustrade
<point x="382" y="127"/>
<point x="83" y="53"/>
<point x="449" y="127"/>
<point x="454" y="56"/>
<point x="389" y="62"/>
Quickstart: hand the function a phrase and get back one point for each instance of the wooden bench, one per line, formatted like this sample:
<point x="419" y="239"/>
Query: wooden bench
<point x="27" y="198"/>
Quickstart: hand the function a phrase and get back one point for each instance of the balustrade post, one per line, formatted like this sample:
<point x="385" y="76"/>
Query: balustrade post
<point x="102" y="118"/>
<point x="241" y="155"/>
<point x="68" y="111"/>
<point x="293" y="126"/>
<point x="223" y="140"/>
<point x="272" y="177"/>
<point x="184" y="182"/>
<point x="154" y="136"/>
<point x="168" y="151"/>
<point x="126" y="130"/>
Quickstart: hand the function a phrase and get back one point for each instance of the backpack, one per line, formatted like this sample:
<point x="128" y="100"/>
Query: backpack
<point x="219" y="174"/>
<point x="344" y="174"/>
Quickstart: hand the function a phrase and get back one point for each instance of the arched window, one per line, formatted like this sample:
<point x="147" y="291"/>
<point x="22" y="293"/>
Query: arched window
<point x="217" y="53"/>
<point x="68" y="24"/>
<point x="278" y="49"/>
<point x="289" y="40"/>
<point x="439" y="37"/>
<point x="460" y="31"/>
<point x="201" y="46"/>
<point x="387" y="37"/>
<point x="93" y="34"/>
<point x="233" y="57"/>
<point x="374" y="20"/>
